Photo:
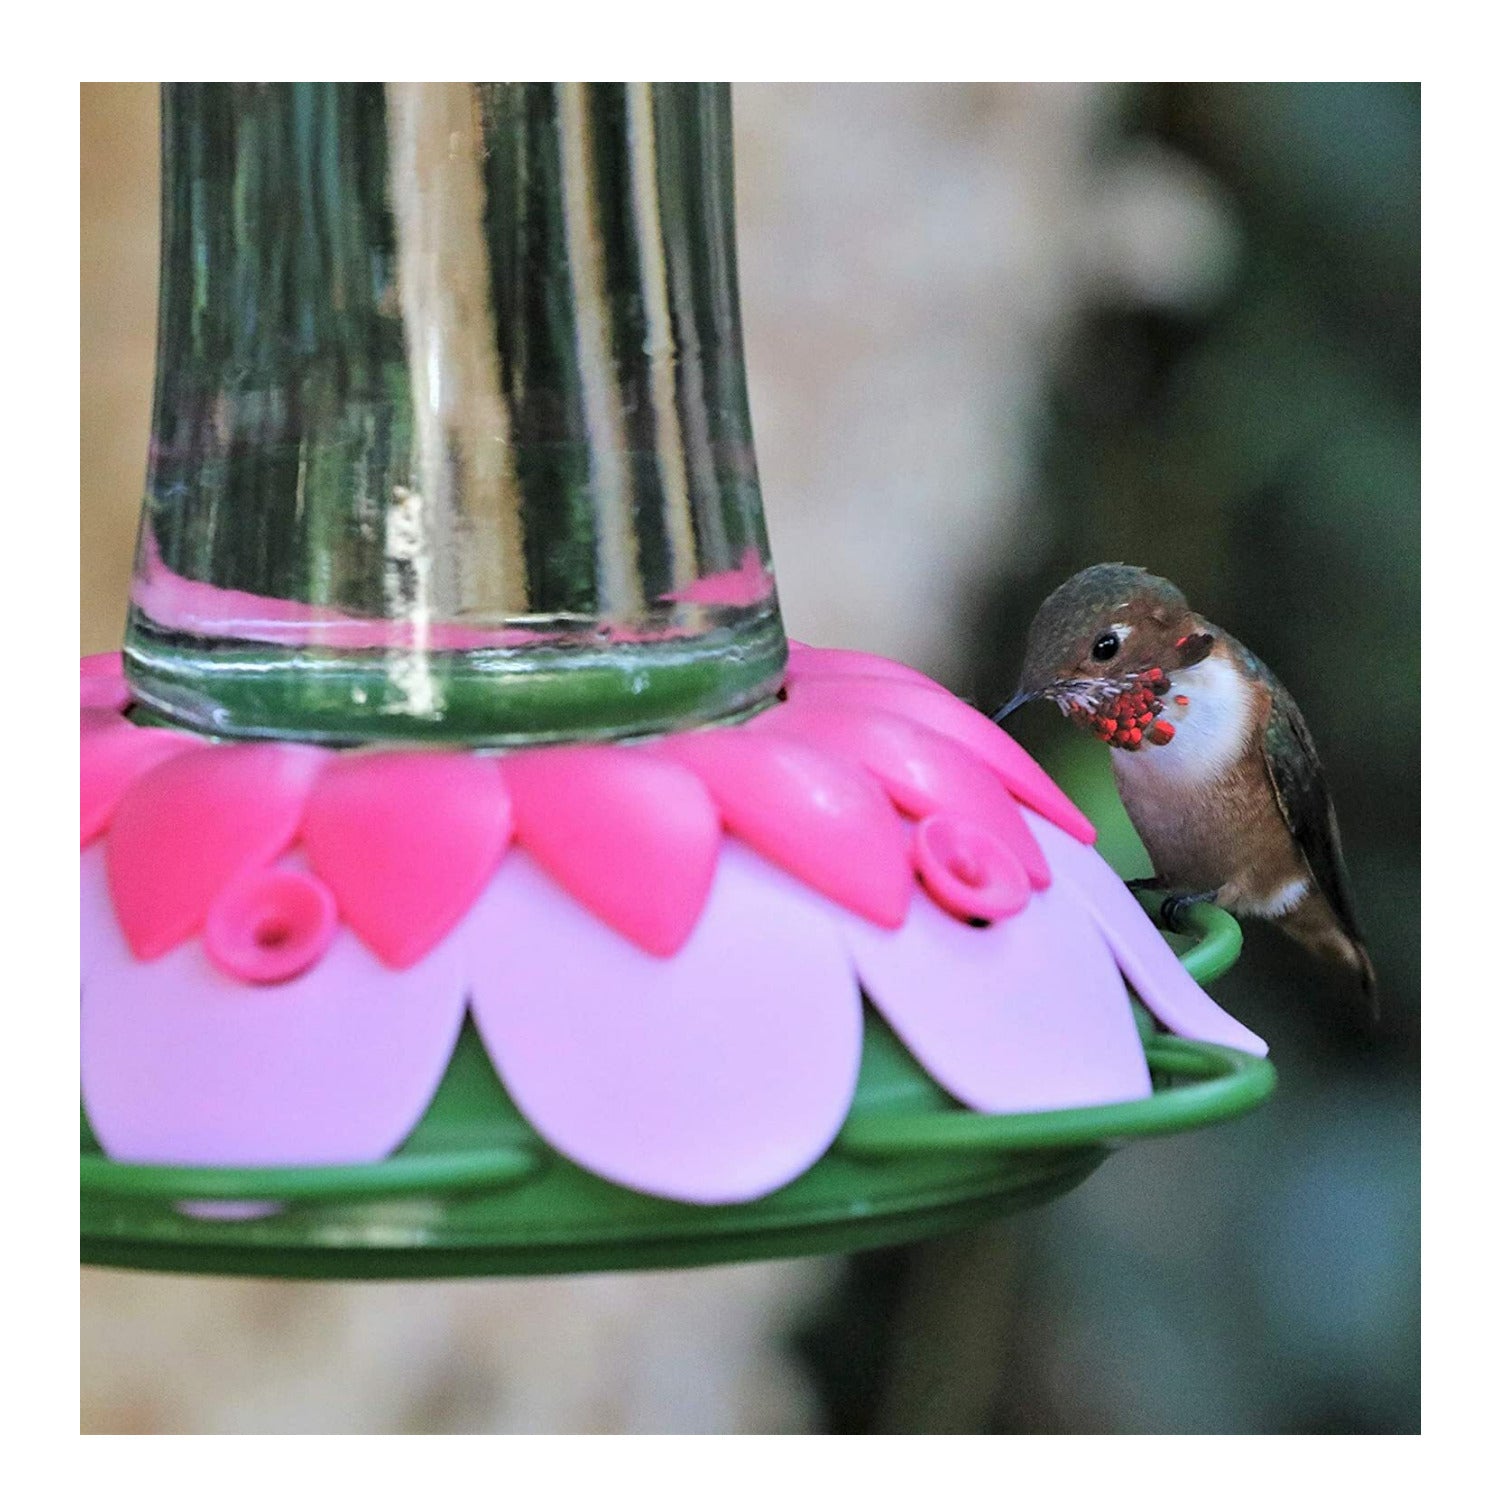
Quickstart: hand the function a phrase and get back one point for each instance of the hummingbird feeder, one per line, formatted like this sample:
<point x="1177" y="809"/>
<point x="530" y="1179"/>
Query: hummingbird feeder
<point x="474" y="881"/>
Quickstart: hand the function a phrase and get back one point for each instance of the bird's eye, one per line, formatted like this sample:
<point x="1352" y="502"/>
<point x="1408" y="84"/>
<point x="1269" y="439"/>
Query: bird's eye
<point x="1105" y="646"/>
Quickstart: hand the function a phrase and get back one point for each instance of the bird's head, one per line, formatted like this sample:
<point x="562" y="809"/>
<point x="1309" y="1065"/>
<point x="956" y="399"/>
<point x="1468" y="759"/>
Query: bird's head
<point x="1104" y="646"/>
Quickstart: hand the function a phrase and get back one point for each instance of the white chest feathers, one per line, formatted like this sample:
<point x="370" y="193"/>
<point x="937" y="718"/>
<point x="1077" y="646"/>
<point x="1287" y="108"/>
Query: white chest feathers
<point x="1209" y="730"/>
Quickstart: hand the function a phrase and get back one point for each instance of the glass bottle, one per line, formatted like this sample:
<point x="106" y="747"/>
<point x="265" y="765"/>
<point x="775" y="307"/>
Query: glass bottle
<point x="451" y="437"/>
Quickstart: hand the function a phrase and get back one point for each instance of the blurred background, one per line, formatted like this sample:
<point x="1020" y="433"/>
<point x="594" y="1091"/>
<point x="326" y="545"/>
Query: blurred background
<point x="995" y="332"/>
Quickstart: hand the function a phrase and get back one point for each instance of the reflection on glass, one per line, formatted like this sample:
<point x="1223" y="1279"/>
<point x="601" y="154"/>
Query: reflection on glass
<point x="451" y="436"/>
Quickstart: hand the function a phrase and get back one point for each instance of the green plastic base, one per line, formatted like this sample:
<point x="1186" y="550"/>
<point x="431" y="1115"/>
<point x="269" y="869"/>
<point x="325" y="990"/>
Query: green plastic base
<point x="530" y="696"/>
<point x="474" y="1192"/>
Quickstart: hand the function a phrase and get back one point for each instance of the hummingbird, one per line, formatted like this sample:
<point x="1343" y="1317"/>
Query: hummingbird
<point x="1213" y="760"/>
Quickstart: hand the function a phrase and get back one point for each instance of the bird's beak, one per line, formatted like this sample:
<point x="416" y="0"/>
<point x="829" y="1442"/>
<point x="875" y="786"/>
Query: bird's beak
<point x="1014" y="704"/>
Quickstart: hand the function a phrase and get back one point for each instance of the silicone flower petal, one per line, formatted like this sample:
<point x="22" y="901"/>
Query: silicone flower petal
<point x="922" y="771"/>
<point x="713" y="1078"/>
<point x="184" y="1065"/>
<point x="1154" y="971"/>
<point x="631" y="835"/>
<point x="1028" y="1014"/>
<point x="951" y="716"/>
<point x="101" y="943"/>
<point x="407" y="840"/>
<point x="816" y="816"/>
<point x="101" y="682"/>
<point x="112" y="753"/>
<point x="191" y="824"/>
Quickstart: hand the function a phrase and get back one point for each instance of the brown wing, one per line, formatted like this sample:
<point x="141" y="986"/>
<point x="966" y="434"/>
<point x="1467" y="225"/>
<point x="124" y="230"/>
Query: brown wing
<point x="1297" y="776"/>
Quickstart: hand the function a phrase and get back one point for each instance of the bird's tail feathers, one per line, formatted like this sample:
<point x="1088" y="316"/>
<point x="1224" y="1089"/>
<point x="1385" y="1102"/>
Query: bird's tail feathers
<point x="1313" y="924"/>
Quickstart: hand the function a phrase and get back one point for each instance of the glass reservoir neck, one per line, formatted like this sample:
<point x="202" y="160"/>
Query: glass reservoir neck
<point x="451" y="437"/>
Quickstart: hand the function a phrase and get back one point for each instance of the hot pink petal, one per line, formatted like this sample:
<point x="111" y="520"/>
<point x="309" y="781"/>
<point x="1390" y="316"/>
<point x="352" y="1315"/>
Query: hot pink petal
<point x="183" y="1065"/>
<point x="191" y="824"/>
<point x="102" y="664"/>
<point x="633" y="836"/>
<point x="714" y="1078"/>
<point x="407" y="841"/>
<point x="953" y="717"/>
<point x="1029" y="1014"/>
<point x="101" y="682"/>
<point x="1154" y="971"/>
<point x="923" y="771"/>
<point x="817" y="816"/>
<point x="112" y="753"/>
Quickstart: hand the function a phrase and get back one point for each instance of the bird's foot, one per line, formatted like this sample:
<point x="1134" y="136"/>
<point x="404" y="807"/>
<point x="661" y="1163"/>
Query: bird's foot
<point x="1174" y="910"/>
<point x="1143" y="883"/>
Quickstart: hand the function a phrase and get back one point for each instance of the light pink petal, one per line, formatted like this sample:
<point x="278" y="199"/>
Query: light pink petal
<point x="953" y="717"/>
<point x="922" y="771"/>
<point x="1154" y="971"/>
<point x="407" y="840"/>
<point x="633" y="836"/>
<point x="100" y="940"/>
<point x="713" y="1077"/>
<point x="817" y="816"/>
<point x="112" y="753"/>
<point x="1029" y="1014"/>
<point x="191" y="824"/>
<point x="184" y="1066"/>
